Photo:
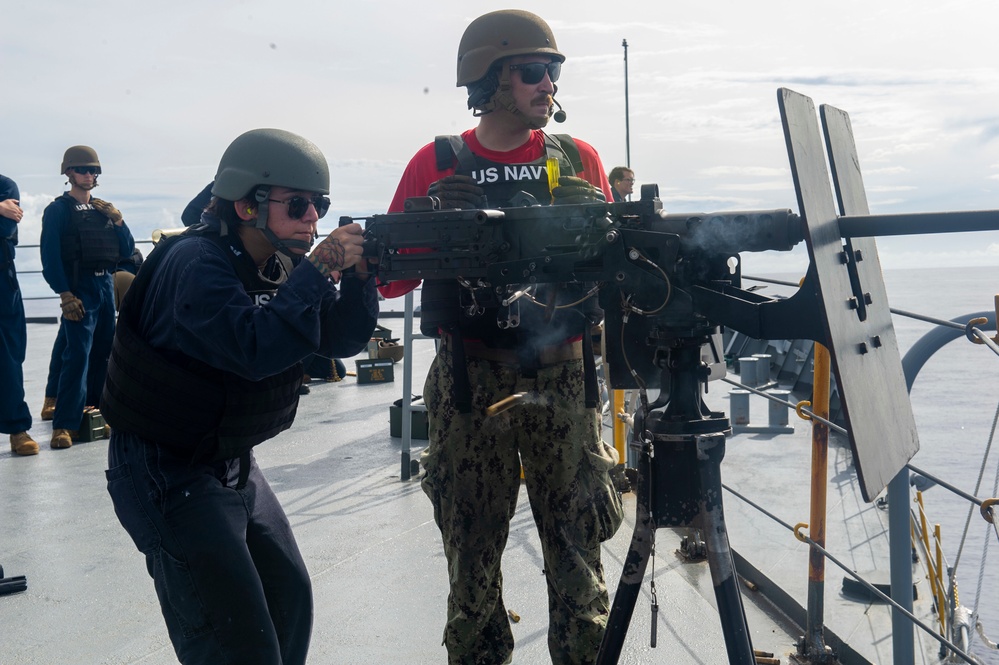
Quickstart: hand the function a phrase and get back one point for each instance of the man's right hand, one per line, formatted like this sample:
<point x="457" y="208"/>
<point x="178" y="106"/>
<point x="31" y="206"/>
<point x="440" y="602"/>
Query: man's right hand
<point x="72" y="307"/>
<point x="339" y="250"/>
<point x="458" y="191"/>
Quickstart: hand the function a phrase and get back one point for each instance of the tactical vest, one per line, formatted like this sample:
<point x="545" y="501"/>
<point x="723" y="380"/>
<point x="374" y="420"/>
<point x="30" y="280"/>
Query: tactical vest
<point x="477" y="313"/>
<point x="183" y="404"/>
<point x="89" y="241"/>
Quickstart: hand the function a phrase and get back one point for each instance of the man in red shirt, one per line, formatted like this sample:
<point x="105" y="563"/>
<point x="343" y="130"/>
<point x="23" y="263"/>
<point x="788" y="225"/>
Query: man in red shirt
<point x="489" y="350"/>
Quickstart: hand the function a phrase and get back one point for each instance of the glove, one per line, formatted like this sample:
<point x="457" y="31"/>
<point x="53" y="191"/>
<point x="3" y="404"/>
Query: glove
<point x="458" y="191"/>
<point x="339" y="250"/>
<point x="576" y="190"/>
<point x="72" y="307"/>
<point x="109" y="210"/>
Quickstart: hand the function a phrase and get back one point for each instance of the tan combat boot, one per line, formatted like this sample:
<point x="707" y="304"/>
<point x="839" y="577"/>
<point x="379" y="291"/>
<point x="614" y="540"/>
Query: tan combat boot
<point x="21" y="443"/>
<point x="62" y="438"/>
<point x="48" y="408"/>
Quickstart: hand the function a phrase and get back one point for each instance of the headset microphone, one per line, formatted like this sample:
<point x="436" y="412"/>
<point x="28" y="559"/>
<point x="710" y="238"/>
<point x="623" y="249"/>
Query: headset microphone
<point x="558" y="116"/>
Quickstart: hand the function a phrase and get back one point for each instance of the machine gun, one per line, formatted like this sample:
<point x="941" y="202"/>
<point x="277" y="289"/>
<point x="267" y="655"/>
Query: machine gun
<point x="644" y="260"/>
<point x="655" y="274"/>
<point x="666" y="283"/>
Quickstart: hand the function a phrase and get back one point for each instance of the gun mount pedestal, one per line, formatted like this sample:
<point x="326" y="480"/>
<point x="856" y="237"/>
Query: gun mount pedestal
<point x="681" y="445"/>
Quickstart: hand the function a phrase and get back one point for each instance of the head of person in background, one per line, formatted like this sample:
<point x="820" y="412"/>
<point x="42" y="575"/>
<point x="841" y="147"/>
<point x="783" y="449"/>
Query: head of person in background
<point x="622" y="180"/>
<point x="192" y="212"/>
<point x="81" y="168"/>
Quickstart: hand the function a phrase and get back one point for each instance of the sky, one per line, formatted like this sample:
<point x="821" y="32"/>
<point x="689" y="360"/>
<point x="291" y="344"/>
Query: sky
<point x="160" y="89"/>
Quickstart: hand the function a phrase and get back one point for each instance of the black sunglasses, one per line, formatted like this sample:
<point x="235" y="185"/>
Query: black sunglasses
<point x="83" y="170"/>
<point x="533" y="72"/>
<point x="299" y="205"/>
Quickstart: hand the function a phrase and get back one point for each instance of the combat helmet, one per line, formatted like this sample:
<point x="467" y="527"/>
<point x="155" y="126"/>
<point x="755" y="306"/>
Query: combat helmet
<point x="486" y="42"/>
<point x="502" y="34"/>
<point x="80" y="155"/>
<point x="266" y="158"/>
<point x="270" y="157"/>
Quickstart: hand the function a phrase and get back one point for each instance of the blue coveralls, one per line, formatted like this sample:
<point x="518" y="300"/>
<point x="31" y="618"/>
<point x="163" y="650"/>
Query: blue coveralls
<point x="231" y="582"/>
<point x="87" y="343"/>
<point x="95" y="384"/>
<point x="14" y="414"/>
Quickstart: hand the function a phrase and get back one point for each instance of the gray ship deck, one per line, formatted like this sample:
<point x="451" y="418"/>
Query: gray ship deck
<point x="374" y="552"/>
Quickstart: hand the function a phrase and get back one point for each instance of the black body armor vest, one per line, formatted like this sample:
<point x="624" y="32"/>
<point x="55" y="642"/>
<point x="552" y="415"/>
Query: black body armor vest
<point x="89" y="241"/>
<point x="183" y="404"/>
<point x="478" y="313"/>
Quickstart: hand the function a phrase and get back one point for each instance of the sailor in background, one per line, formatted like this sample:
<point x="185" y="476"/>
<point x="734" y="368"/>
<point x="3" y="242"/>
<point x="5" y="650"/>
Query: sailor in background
<point x="622" y="181"/>
<point x="83" y="239"/>
<point x="15" y="417"/>
<point x="509" y="62"/>
<point x="194" y="209"/>
<point x="207" y="363"/>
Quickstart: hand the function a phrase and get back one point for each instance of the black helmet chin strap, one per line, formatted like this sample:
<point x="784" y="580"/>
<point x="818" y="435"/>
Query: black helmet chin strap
<point x="285" y="246"/>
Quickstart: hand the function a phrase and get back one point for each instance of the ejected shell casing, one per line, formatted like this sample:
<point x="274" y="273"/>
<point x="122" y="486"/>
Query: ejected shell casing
<point x="505" y="404"/>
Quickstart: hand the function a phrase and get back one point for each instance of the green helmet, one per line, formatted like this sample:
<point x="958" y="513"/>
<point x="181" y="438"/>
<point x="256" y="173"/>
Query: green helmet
<point x="80" y="155"/>
<point x="502" y="34"/>
<point x="273" y="158"/>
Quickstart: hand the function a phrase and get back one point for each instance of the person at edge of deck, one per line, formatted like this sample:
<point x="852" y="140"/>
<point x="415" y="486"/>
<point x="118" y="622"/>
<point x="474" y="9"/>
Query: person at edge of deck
<point x="509" y="62"/>
<point x="206" y="364"/>
<point x="15" y="417"/>
<point x="622" y="180"/>
<point x="83" y="240"/>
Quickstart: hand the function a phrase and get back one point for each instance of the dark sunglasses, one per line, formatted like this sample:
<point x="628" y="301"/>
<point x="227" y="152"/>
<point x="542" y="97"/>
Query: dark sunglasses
<point x="299" y="205"/>
<point x="83" y="170"/>
<point x="533" y="72"/>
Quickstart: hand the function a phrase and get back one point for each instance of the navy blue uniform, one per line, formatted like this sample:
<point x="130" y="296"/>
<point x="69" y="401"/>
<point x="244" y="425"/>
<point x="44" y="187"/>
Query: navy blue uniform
<point x="86" y="344"/>
<point x="14" y="414"/>
<point x="228" y="573"/>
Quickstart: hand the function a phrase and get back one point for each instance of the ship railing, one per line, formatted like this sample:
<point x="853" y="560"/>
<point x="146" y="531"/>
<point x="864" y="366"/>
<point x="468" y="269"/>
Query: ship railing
<point x="945" y="593"/>
<point x="945" y="643"/>
<point x="934" y="561"/>
<point x="949" y="614"/>
<point x="36" y="273"/>
<point x="948" y="602"/>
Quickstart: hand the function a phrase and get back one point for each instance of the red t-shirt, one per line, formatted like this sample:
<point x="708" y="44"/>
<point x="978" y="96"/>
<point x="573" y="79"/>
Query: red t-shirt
<point x="422" y="171"/>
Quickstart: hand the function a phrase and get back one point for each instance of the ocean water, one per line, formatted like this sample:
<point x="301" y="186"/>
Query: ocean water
<point x="954" y="399"/>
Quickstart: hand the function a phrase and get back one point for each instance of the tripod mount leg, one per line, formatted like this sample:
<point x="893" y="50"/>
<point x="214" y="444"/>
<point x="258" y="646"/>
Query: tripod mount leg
<point x="679" y="485"/>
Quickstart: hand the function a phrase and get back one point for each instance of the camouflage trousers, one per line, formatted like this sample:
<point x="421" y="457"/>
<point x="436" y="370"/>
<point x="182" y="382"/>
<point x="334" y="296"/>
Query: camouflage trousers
<point x="473" y="465"/>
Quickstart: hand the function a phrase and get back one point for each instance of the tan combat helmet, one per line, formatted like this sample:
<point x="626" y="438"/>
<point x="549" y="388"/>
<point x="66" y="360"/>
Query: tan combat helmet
<point x="80" y="155"/>
<point x="486" y="42"/>
<point x="502" y="34"/>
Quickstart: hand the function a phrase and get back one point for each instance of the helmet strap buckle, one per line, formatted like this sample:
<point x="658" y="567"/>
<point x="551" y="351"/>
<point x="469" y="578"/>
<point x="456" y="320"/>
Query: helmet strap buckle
<point x="263" y="193"/>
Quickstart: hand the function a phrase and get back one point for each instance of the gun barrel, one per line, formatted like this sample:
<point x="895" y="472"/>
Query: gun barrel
<point x="736" y="231"/>
<point x="856" y="226"/>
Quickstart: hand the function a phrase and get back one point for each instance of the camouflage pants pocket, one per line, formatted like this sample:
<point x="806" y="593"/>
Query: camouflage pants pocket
<point x="601" y="511"/>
